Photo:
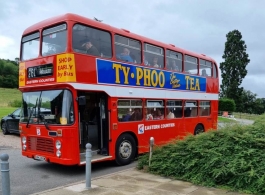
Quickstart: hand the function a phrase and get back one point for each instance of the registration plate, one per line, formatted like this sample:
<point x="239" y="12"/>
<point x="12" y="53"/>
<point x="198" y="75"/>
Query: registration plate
<point x="37" y="157"/>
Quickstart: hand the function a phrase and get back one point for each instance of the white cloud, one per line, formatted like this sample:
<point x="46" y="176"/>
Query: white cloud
<point x="6" y="43"/>
<point x="199" y="26"/>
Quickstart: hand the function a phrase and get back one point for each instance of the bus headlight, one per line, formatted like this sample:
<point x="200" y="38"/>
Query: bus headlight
<point x="58" y="145"/>
<point x="24" y="140"/>
<point x="24" y="147"/>
<point x="58" y="153"/>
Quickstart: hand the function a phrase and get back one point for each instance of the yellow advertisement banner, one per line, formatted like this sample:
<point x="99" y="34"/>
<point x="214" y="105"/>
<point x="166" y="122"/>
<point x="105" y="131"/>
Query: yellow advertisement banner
<point x="66" y="68"/>
<point x="22" y="74"/>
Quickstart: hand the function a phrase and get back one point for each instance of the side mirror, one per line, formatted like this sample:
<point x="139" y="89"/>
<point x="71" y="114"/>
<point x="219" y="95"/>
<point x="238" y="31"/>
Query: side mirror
<point x="81" y="100"/>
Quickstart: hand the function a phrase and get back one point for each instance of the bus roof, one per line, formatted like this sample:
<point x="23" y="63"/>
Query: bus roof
<point x="80" y="19"/>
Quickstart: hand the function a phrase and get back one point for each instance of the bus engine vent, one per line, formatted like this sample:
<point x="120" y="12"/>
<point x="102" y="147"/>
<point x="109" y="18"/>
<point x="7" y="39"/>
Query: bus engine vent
<point x="40" y="144"/>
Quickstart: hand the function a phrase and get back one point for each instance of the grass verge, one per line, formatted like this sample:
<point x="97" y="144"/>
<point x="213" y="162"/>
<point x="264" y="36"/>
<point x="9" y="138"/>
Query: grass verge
<point x="6" y="110"/>
<point x="225" y="120"/>
<point x="246" y="116"/>
<point x="9" y="95"/>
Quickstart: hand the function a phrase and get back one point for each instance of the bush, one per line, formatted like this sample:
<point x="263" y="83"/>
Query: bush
<point x="15" y="103"/>
<point x="260" y="121"/>
<point x="226" y="104"/>
<point x="231" y="158"/>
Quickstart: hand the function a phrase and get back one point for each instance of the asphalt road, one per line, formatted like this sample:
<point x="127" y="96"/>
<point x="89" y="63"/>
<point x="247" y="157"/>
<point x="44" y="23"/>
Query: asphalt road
<point x="28" y="176"/>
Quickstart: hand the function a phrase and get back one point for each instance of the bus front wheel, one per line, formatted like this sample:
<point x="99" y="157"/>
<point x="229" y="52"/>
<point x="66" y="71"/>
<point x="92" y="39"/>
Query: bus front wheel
<point x="198" y="129"/>
<point x="125" y="149"/>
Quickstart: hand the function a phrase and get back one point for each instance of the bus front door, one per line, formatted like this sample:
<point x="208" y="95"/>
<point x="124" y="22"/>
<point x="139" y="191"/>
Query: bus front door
<point x="93" y="123"/>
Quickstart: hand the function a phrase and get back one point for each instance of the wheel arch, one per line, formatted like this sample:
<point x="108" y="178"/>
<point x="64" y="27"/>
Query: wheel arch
<point x="134" y="136"/>
<point x="198" y="125"/>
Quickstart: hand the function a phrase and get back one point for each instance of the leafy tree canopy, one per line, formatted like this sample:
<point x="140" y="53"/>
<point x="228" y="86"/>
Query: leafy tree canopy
<point x="233" y="69"/>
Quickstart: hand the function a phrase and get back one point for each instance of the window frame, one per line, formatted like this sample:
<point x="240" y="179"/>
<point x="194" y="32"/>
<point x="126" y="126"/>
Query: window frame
<point x="175" y="106"/>
<point x="172" y="58"/>
<point x="155" y="107"/>
<point x="51" y="30"/>
<point x="160" y="55"/>
<point x="130" y="107"/>
<point x="210" y="65"/>
<point x="128" y="46"/>
<point x="195" y="106"/>
<point x="205" y="106"/>
<point x="79" y="51"/>
<point x="186" y="60"/>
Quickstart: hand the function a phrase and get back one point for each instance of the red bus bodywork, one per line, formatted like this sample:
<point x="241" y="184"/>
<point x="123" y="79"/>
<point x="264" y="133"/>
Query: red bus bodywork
<point x="107" y="81"/>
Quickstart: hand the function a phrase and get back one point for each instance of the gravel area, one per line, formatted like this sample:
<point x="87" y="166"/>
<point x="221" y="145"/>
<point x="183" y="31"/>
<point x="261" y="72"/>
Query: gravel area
<point x="9" y="141"/>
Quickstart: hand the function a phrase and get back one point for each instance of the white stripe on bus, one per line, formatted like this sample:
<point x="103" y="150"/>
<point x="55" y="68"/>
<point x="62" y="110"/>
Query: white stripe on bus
<point x="137" y="92"/>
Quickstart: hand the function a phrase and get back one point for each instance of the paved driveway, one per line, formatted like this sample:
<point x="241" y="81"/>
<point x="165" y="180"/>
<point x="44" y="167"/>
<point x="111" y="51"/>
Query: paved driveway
<point x="241" y="121"/>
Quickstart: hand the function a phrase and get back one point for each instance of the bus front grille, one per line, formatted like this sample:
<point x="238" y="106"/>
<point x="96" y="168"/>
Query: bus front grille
<point x="40" y="144"/>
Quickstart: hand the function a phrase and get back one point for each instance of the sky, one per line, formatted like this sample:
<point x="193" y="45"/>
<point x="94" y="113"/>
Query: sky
<point x="196" y="25"/>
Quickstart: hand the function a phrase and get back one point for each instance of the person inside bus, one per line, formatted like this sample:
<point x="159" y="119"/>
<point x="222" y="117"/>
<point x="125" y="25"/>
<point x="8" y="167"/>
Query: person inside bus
<point x="174" y="65"/>
<point x="91" y="112"/>
<point x="148" y="115"/>
<point x="170" y="114"/>
<point x="204" y="73"/>
<point x="136" y="115"/>
<point x="127" y="116"/>
<point x="125" y="55"/>
<point x="154" y="64"/>
<point x="146" y="62"/>
<point x="90" y="48"/>
<point x="159" y="115"/>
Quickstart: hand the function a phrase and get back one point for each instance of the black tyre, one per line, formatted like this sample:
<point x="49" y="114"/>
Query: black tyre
<point x="4" y="128"/>
<point x="198" y="129"/>
<point x="125" y="149"/>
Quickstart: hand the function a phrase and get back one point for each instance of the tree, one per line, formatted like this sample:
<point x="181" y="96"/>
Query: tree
<point x="259" y="106"/>
<point x="8" y="74"/>
<point x="233" y="69"/>
<point x="249" y="101"/>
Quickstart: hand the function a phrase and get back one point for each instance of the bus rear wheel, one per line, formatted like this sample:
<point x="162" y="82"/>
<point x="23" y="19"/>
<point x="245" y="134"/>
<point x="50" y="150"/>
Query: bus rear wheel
<point x="125" y="149"/>
<point x="198" y="129"/>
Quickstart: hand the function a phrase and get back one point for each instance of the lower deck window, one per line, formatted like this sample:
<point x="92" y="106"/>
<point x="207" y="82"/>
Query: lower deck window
<point x="205" y="108"/>
<point x="130" y="110"/>
<point x="190" y="109"/>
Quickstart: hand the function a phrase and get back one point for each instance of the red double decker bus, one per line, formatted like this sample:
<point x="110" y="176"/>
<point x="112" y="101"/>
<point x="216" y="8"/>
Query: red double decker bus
<point x="84" y="81"/>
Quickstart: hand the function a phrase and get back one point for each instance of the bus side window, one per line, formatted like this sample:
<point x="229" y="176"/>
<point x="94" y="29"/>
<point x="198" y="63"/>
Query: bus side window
<point x="153" y="56"/>
<point x="191" y="109"/>
<point x="99" y="39"/>
<point x="187" y="112"/>
<point x="130" y="110"/>
<point x="127" y="49"/>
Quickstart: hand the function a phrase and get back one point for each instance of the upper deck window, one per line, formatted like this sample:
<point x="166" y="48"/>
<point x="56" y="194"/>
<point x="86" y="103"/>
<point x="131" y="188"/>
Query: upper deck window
<point x="54" y="40"/>
<point x="153" y="56"/>
<point x="91" y="41"/>
<point x="215" y="73"/>
<point x="174" y="60"/>
<point x="205" y="68"/>
<point x="30" y="46"/>
<point x="191" y="65"/>
<point x="127" y="49"/>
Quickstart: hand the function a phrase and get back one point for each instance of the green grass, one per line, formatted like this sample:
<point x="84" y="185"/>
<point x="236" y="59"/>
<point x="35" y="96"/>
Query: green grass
<point x="6" y="110"/>
<point x="246" y="116"/>
<point x="9" y="95"/>
<point x="225" y="120"/>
